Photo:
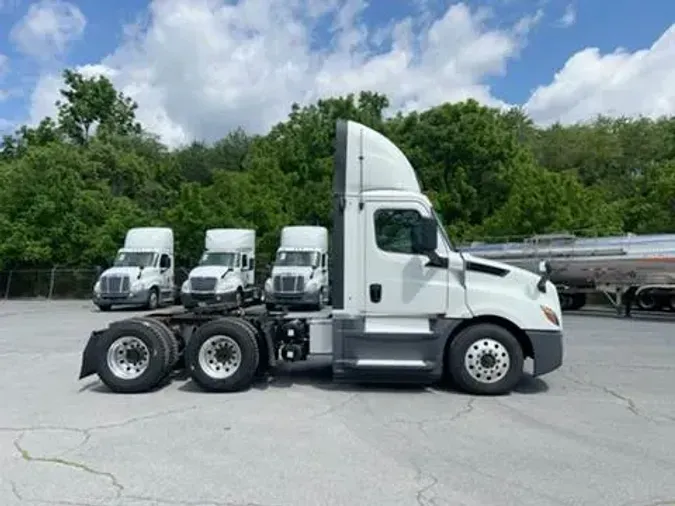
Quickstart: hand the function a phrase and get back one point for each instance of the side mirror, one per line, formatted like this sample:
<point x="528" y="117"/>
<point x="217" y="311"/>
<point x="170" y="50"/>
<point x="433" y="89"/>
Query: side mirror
<point x="425" y="236"/>
<point x="544" y="267"/>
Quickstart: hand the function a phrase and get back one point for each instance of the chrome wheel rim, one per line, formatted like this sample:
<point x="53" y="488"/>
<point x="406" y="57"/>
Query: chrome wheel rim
<point x="220" y="357"/>
<point x="128" y="357"/>
<point x="487" y="361"/>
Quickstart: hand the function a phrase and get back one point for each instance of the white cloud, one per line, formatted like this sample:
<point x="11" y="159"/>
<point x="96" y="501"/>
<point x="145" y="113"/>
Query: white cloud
<point x="614" y="84"/>
<point x="4" y="68"/>
<point x="4" y="64"/>
<point x="48" y="28"/>
<point x="199" y="68"/>
<point x="569" y="17"/>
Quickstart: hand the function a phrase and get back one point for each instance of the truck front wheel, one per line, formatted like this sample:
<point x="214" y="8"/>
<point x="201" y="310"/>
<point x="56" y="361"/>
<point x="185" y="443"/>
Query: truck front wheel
<point x="485" y="359"/>
<point x="153" y="299"/>
<point x="223" y="355"/>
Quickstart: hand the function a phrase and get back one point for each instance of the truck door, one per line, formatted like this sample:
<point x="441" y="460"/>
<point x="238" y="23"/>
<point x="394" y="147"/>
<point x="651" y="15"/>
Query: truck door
<point x="166" y="277"/>
<point x="398" y="282"/>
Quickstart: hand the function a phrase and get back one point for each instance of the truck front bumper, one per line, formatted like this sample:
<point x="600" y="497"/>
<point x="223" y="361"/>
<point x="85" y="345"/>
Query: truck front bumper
<point x="119" y="299"/>
<point x="195" y="299"/>
<point x="547" y="348"/>
<point x="292" y="299"/>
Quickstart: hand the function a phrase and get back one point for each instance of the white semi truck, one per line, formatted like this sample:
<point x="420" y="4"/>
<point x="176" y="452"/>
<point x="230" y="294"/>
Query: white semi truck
<point x="226" y="270"/>
<point x="407" y="306"/>
<point x="300" y="275"/>
<point x="142" y="273"/>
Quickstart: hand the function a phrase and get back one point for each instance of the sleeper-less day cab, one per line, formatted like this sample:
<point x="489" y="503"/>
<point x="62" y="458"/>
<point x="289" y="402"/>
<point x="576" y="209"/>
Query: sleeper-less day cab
<point x="299" y="275"/>
<point x="407" y="306"/>
<point x="226" y="270"/>
<point x="142" y="273"/>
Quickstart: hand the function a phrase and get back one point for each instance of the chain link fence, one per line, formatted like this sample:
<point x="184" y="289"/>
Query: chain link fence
<point x="58" y="282"/>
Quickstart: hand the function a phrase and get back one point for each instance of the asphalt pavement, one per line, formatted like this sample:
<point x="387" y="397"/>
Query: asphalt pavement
<point x="599" y="431"/>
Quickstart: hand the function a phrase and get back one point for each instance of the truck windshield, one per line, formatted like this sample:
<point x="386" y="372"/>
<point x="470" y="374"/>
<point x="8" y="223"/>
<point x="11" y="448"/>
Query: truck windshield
<point x="134" y="259"/>
<point x="444" y="232"/>
<point x="219" y="258"/>
<point x="295" y="258"/>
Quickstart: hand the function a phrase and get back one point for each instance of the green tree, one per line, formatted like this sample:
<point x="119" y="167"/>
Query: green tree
<point x="94" y="103"/>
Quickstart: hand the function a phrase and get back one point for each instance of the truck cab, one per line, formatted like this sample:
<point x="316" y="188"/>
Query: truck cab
<point x="226" y="269"/>
<point x="142" y="272"/>
<point x="300" y="275"/>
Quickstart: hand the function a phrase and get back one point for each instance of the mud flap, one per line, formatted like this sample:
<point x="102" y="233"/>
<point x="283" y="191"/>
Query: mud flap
<point x="90" y="356"/>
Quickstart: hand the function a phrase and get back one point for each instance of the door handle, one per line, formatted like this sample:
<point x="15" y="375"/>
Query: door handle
<point x="375" y="292"/>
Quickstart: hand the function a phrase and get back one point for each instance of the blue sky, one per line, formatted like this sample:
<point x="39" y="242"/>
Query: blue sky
<point x="598" y="23"/>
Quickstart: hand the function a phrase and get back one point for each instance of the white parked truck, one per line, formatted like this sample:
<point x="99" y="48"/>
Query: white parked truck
<point x="142" y="273"/>
<point x="407" y="306"/>
<point x="226" y="270"/>
<point x="299" y="275"/>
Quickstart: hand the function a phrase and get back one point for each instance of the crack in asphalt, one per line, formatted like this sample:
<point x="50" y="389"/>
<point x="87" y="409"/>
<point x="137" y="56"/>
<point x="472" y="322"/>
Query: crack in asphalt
<point x="421" y="424"/>
<point x="25" y="455"/>
<point x="333" y="408"/>
<point x="110" y="477"/>
<point x="87" y="431"/>
<point x="627" y="401"/>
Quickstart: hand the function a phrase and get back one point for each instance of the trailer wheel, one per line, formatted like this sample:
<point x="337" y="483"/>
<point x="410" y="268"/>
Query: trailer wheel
<point x="135" y="357"/>
<point x="646" y="301"/>
<point x="223" y="355"/>
<point x="485" y="359"/>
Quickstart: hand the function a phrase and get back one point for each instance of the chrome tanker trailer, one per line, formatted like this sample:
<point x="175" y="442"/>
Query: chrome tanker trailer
<point x="610" y="265"/>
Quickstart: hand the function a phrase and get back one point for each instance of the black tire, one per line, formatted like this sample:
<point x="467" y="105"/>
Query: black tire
<point x="269" y="306"/>
<point x="320" y="305"/>
<point x="566" y="301"/>
<point x="159" y="356"/>
<point x="244" y="335"/>
<point x="578" y="301"/>
<point x="167" y="334"/>
<point x="104" y="307"/>
<point x="477" y="336"/>
<point x="241" y="297"/>
<point x="647" y="301"/>
<point x="153" y="299"/>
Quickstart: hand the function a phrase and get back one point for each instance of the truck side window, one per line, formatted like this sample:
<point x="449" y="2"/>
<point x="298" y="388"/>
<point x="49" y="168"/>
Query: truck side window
<point x="244" y="262"/>
<point x="394" y="229"/>
<point x="323" y="260"/>
<point x="165" y="262"/>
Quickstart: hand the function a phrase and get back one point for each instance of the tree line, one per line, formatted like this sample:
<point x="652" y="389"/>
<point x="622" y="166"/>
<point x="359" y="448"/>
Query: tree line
<point x="71" y="186"/>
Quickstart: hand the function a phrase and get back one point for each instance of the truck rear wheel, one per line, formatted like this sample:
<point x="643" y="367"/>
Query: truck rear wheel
<point x="167" y="334"/>
<point x="135" y="357"/>
<point x="485" y="359"/>
<point x="223" y="355"/>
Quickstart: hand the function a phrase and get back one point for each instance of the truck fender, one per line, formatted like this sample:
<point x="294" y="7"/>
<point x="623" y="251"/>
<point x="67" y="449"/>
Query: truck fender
<point x="514" y="329"/>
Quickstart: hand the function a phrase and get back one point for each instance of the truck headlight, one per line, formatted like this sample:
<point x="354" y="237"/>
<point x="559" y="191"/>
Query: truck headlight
<point x="97" y="287"/>
<point x="137" y="286"/>
<point x="225" y="286"/>
<point x="185" y="287"/>
<point x="550" y="315"/>
<point x="312" y="285"/>
<point x="268" y="285"/>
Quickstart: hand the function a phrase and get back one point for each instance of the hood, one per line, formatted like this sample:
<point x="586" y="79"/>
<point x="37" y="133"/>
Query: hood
<point x="132" y="272"/>
<point x="292" y="270"/>
<point x="209" y="271"/>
